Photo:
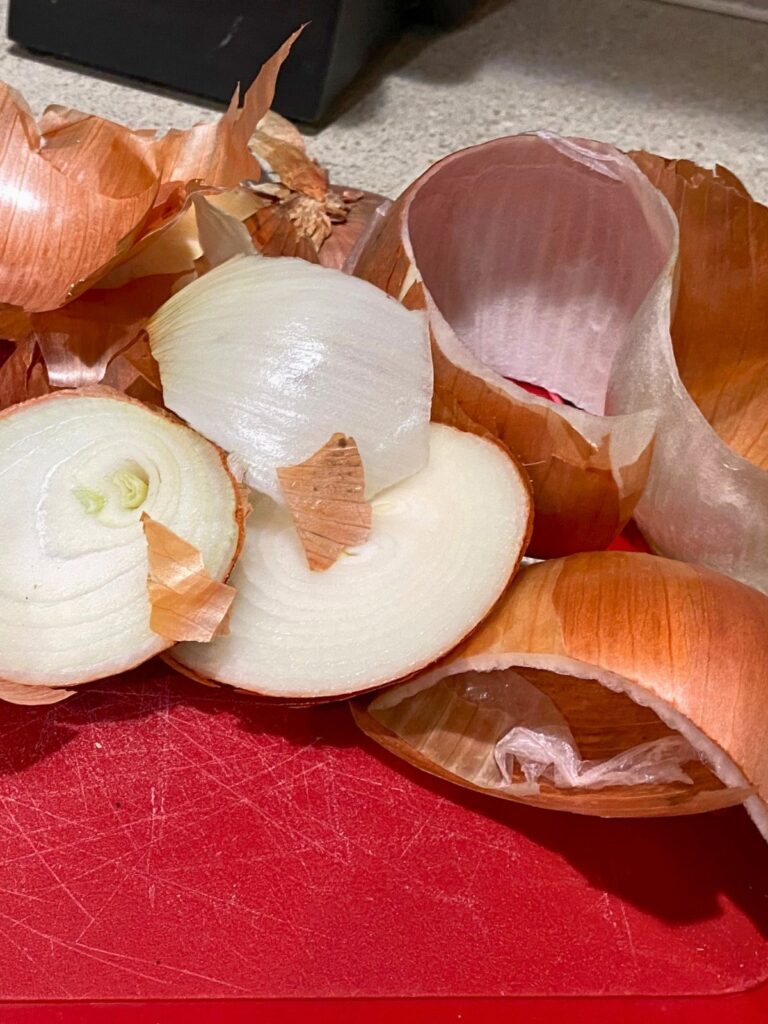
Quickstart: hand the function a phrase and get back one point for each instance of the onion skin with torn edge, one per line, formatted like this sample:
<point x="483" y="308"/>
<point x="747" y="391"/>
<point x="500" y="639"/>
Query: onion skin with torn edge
<point x="326" y="498"/>
<point x="532" y="255"/>
<point x="186" y="603"/>
<point x="443" y="545"/>
<point x="709" y="378"/>
<point x="79" y="469"/>
<point x="83" y="191"/>
<point x="627" y="646"/>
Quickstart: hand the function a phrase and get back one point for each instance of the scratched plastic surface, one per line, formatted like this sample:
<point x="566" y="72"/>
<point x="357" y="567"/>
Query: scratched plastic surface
<point x="159" y="839"/>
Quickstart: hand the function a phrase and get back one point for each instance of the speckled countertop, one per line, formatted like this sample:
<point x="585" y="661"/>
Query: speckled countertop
<point x="640" y="74"/>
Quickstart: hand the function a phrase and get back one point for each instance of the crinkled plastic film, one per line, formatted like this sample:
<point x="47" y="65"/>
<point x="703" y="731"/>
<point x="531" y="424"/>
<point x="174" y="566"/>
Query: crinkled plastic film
<point x="497" y="730"/>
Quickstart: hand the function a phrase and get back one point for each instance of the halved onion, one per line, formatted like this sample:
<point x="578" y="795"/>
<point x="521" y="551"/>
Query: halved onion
<point x="442" y="547"/>
<point x="78" y="470"/>
<point x="270" y="356"/>
<point x="630" y="650"/>
<point x="532" y="256"/>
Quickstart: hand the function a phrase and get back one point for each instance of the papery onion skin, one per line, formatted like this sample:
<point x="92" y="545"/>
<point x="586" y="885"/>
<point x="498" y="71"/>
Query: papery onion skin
<point x="710" y="379"/>
<point x="672" y="635"/>
<point x="617" y="802"/>
<point x="231" y="532"/>
<point x="81" y="190"/>
<point x="588" y="471"/>
<point x="186" y="602"/>
<point x="326" y="498"/>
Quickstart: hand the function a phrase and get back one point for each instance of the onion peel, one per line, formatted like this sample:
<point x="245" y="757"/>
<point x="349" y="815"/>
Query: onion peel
<point x="326" y="498"/>
<point x="108" y="186"/>
<point x="32" y="696"/>
<point x="553" y="317"/>
<point x="624" y="643"/>
<point x="718" y="328"/>
<point x="187" y="604"/>
<point x="78" y="341"/>
<point x="328" y="219"/>
<point x="22" y="375"/>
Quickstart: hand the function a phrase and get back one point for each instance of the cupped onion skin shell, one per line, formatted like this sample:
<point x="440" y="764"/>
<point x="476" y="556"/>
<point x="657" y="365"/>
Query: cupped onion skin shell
<point x="74" y="602"/>
<point x="679" y="640"/>
<point x="532" y="255"/>
<point x="442" y="548"/>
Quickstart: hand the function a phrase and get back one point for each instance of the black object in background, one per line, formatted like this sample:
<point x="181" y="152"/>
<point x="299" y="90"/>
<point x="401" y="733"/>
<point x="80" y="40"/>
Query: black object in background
<point x="206" y="47"/>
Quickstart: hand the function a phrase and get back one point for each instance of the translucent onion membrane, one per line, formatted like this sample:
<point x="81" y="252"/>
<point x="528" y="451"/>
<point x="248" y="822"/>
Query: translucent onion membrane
<point x="270" y="356"/>
<point x="78" y="471"/>
<point x="532" y="256"/>
<point x="635" y="663"/>
<point x="707" y="496"/>
<point x="442" y="547"/>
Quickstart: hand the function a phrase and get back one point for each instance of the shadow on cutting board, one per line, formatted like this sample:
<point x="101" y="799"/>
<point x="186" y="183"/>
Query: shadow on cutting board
<point x="678" y="869"/>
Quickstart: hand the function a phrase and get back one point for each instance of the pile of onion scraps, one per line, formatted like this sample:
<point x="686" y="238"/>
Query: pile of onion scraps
<point x="376" y="541"/>
<point x="199" y="286"/>
<point x="100" y="227"/>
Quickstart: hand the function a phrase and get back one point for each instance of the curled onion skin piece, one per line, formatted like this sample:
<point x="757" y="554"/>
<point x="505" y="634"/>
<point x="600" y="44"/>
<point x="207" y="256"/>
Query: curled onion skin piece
<point x="442" y="547"/>
<point x="709" y="379"/>
<point x="614" y="636"/>
<point x="258" y="352"/>
<point x="81" y="191"/>
<point x="32" y="696"/>
<point x="186" y="604"/>
<point x="532" y="255"/>
<point x="78" y="470"/>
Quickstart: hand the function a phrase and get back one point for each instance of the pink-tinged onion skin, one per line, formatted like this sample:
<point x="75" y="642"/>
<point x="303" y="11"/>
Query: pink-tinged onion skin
<point x="532" y="255"/>
<point x="679" y="639"/>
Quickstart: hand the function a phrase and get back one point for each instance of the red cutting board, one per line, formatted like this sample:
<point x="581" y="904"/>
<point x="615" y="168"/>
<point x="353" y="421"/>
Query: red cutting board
<point x="160" y="840"/>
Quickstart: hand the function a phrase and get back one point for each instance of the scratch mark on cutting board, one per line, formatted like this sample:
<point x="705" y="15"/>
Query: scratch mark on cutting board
<point x="622" y="928"/>
<point x="35" y="963"/>
<point x="38" y="853"/>
<point x="100" y="956"/>
<point x="628" y="931"/>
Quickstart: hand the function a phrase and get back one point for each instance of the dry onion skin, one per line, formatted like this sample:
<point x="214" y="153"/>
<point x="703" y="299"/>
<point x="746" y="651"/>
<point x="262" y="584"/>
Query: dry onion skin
<point x="442" y="547"/>
<point x="78" y="470"/>
<point x="710" y="381"/>
<point x="532" y="255"/>
<point x="631" y="649"/>
<point x="81" y="191"/>
<point x="551" y="261"/>
<point x="326" y="498"/>
<point x="270" y="356"/>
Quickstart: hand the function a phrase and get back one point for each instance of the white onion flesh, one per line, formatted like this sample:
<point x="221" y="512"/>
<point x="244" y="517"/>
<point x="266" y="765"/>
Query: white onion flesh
<point x="270" y="356"/>
<point x="76" y="473"/>
<point x="442" y="547"/>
